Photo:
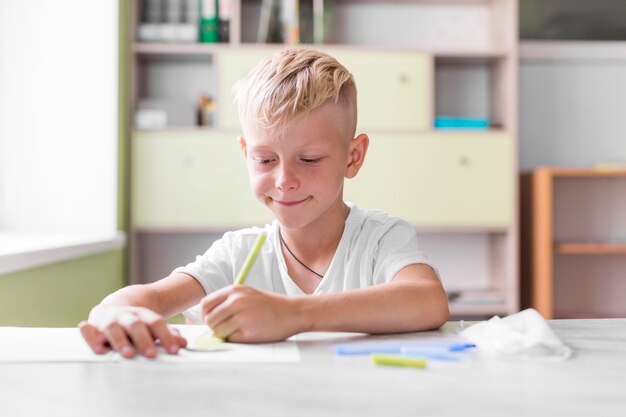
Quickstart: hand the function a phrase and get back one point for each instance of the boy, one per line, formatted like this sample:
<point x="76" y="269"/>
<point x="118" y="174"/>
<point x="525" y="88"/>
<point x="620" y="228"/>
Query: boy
<point x="325" y="266"/>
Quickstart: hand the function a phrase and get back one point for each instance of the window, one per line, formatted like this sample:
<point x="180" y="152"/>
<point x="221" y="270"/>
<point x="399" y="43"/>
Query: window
<point x="58" y="115"/>
<point x="602" y="20"/>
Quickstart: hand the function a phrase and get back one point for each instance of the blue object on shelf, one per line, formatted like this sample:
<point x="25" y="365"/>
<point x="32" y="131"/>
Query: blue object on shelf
<point x="446" y="122"/>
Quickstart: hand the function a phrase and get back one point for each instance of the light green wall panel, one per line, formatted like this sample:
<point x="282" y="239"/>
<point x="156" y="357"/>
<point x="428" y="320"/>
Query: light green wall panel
<point x="439" y="179"/>
<point x="195" y="179"/>
<point x="199" y="179"/>
<point x="124" y="112"/>
<point x="233" y="65"/>
<point x="60" y="294"/>
<point x="394" y="88"/>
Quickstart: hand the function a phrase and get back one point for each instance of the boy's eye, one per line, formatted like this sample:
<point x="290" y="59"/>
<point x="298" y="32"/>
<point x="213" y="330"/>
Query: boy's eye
<point x="263" y="161"/>
<point x="311" y="160"/>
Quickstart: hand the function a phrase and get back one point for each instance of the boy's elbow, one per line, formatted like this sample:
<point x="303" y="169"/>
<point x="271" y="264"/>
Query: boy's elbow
<point x="440" y="310"/>
<point x="443" y="313"/>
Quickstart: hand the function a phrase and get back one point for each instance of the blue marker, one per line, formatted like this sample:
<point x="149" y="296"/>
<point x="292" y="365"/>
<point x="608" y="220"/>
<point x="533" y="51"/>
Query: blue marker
<point x="403" y="348"/>
<point x="434" y="352"/>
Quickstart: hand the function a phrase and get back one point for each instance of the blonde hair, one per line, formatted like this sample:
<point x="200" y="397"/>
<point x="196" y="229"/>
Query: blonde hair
<point x="292" y="83"/>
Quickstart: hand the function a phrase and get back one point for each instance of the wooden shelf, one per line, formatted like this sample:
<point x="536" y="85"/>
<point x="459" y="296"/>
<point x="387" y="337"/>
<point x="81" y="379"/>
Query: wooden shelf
<point x="479" y="303"/>
<point x="599" y="172"/>
<point x="472" y="56"/>
<point x="197" y="48"/>
<point x="590" y="248"/>
<point x="568" y="215"/>
<point x="576" y="314"/>
<point x="410" y="1"/>
<point x="146" y="48"/>
<point x="185" y="129"/>
<point x="420" y="229"/>
<point x="495" y="131"/>
<point x="462" y="229"/>
<point x="180" y="230"/>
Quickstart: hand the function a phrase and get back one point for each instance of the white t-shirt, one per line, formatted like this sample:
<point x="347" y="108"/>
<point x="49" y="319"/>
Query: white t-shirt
<point x="373" y="248"/>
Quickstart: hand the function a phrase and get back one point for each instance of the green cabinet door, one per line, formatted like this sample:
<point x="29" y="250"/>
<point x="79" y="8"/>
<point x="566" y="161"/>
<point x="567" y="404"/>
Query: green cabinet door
<point x="439" y="180"/>
<point x="233" y="65"/>
<point x="192" y="180"/>
<point x="394" y="88"/>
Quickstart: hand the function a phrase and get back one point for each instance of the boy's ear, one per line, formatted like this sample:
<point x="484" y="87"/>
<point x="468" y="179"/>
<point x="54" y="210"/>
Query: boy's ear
<point x="242" y="143"/>
<point x="356" y="155"/>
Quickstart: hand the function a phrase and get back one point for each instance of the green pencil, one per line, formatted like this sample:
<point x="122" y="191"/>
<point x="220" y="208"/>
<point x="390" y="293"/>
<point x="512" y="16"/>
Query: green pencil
<point x="398" y="360"/>
<point x="247" y="265"/>
<point x="212" y="343"/>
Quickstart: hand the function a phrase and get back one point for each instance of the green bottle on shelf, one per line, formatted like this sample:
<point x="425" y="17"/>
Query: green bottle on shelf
<point x="209" y="21"/>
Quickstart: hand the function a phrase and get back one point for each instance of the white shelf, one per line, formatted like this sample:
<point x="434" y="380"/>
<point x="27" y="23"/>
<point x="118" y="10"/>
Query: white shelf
<point x="470" y="50"/>
<point x="572" y="50"/>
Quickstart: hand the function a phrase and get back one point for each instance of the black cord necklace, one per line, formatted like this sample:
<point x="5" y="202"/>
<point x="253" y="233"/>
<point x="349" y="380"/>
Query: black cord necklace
<point x="294" y="256"/>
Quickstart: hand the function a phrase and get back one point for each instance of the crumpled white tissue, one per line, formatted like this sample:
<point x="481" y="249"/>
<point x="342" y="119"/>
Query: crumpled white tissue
<point x="519" y="336"/>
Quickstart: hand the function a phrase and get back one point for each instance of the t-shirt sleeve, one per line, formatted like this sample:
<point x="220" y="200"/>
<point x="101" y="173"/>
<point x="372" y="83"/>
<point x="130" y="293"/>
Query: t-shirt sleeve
<point x="397" y="247"/>
<point x="214" y="269"/>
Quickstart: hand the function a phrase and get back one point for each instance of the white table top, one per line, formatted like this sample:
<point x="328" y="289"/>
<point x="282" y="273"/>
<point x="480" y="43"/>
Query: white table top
<point x="591" y="383"/>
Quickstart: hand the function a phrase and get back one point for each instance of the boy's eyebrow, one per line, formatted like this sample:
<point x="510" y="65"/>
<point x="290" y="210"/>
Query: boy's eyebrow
<point x="301" y="152"/>
<point x="308" y="148"/>
<point x="254" y="148"/>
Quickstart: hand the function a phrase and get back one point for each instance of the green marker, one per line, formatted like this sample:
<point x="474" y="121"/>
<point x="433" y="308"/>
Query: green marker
<point x="399" y="360"/>
<point x="247" y="265"/>
<point x="211" y="343"/>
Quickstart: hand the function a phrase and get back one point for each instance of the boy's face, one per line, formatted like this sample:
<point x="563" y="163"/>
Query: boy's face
<point x="299" y="173"/>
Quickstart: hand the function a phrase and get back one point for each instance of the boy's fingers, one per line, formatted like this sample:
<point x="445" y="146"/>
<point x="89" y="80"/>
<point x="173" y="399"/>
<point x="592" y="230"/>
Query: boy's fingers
<point x="225" y="329"/>
<point x="182" y="342"/>
<point x="118" y="339"/>
<point x="160" y="330"/>
<point x="219" y="314"/>
<point x="225" y="305"/>
<point x="139" y="334"/>
<point x="213" y="300"/>
<point x="93" y="337"/>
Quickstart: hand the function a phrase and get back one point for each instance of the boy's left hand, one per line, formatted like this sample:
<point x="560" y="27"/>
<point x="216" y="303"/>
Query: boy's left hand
<point x="240" y="313"/>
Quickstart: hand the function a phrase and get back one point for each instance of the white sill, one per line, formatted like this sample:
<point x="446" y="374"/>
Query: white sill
<point x="556" y="51"/>
<point x="25" y="250"/>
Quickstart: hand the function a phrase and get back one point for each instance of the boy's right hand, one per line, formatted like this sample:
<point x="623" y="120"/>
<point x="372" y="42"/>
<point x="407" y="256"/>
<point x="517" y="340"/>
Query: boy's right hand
<point x="128" y="329"/>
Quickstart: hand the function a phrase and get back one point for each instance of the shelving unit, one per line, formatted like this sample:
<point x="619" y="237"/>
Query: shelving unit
<point x="590" y="248"/>
<point x="574" y="242"/>
<point x="458" y="187"/>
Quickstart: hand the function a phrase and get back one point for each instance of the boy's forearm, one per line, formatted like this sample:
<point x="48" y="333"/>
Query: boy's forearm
<point x="167" y="297"/>
<point x="141" y="295"/>
<point x="132" y="295"/>
<point x="389" y="308"/>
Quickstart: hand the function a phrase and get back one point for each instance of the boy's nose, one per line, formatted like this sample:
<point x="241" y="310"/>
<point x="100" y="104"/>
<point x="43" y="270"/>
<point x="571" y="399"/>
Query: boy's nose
<point x="286" y="179"/>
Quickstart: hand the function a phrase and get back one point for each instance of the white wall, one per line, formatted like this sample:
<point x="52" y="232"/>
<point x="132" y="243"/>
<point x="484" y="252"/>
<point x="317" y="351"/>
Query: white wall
<point x="58" y="115"/>
<point x="572" y="103"/>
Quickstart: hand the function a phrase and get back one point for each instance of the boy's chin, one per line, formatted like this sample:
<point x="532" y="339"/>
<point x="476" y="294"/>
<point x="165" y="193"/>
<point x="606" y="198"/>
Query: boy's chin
<point x="295" y="220"/>
<point x="288" y="222"/>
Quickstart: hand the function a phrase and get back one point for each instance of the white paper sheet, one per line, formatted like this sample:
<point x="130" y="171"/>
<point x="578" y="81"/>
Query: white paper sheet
<point x="26" y="344"/>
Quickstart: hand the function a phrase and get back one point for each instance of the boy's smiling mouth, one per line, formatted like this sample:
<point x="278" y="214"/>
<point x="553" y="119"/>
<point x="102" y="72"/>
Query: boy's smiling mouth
<point x="290" y="203"/>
